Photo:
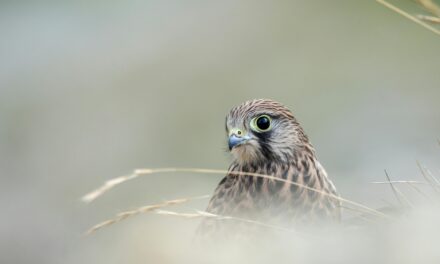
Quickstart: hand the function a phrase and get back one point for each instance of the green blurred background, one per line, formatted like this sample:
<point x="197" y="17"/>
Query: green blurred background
<point x="90" y="90"/>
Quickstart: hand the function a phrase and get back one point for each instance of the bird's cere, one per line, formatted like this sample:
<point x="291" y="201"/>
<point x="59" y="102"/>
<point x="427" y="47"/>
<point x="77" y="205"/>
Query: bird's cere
<point x="236" y="140"/>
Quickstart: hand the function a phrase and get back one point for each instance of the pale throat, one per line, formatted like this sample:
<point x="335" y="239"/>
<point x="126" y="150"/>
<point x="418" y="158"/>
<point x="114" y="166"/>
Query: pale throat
<point x="246" y="155"/>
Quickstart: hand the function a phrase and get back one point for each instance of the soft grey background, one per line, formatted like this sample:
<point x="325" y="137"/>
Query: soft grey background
<point x="93" y="89"/>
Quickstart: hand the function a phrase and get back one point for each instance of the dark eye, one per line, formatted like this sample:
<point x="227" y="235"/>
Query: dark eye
<point x="262" y="123"/>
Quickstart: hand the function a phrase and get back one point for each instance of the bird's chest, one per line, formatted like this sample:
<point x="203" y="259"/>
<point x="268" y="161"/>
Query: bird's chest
<point x="253" y="196"/>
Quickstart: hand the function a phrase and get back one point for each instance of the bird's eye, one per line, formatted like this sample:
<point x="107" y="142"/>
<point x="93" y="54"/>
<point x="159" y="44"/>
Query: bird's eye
<point x="261" y="123"/>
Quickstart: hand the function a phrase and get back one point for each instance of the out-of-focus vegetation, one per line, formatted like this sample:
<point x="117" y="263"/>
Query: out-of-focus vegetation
<point x="423" y="20"/>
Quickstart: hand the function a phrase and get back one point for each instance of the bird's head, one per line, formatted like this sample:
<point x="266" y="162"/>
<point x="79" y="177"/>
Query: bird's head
<point x="263" y="130"/>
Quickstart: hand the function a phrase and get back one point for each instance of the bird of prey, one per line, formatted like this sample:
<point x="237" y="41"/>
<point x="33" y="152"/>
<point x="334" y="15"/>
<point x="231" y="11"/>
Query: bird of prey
<point x="265" y="138"/>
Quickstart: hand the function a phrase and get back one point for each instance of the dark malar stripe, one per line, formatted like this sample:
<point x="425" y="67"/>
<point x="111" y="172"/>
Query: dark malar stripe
<point x="293" y="187"/>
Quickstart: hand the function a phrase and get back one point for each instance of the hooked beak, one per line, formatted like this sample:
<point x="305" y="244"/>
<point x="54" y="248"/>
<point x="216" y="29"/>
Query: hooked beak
<point x="235" y="140"/>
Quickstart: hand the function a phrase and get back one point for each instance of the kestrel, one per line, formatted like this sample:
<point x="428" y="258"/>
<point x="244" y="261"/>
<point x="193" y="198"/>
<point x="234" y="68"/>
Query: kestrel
<point x="265" y="138"/>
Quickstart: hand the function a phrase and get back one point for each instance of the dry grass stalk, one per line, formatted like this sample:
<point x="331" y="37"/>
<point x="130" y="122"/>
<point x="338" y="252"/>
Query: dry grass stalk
<point x="419" y="191"/>
<point x="360" y="214"/>
<point x="144" y="209"/>
<point x="431" y="19"/>
<point x="140" y="172"/>
<point x="430" y="6"/>
<point x="198" y="214"/>
<point x="412" y="184"/>
<point x="404" y="182"/>
<point x="203" y="214"/>
<point x="436" y="181"/>
<point x="429" y="177"/>
<point x="106" y="187"/>
<point x="409" y="16"/>
<point x="399" y="195"/>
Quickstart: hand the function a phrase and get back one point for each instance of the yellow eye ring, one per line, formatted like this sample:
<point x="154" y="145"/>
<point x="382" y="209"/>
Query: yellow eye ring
<point x="262" y="123"/>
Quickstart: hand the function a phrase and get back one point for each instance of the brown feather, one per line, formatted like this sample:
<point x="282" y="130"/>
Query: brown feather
<point x="283" y="152"/>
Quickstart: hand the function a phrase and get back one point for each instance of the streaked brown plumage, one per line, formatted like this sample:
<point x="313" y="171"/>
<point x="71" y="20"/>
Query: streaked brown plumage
<point x="265" y="138"/>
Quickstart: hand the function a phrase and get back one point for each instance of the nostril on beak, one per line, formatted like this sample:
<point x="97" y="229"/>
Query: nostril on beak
<point x="236" y="140"/>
